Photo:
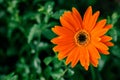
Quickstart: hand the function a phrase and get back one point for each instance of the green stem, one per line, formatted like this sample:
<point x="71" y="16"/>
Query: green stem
<point x="63" y="74"/>
<point x="93" y="72"/>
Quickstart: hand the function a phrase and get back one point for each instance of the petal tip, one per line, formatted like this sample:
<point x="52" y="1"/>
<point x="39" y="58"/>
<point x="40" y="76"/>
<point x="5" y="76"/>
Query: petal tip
<point x="59" y="58"/>
<point x="73" y="8"/>
<point x="98" y="12"/>
<point x="52" y="29"/>
<point x="72" y="66"/>
<point x="54" y="49"/>
<point x="90" y="7"/>
<point x="86" y="68"/>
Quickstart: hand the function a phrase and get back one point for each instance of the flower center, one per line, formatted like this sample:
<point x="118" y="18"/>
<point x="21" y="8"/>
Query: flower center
<point x="82" y="38"/>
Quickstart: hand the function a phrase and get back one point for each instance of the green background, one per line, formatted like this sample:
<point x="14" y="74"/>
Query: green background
<point x="25" y="33"/>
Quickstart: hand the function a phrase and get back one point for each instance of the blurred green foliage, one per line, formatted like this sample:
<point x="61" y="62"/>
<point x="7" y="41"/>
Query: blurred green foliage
<point x="25" y="34"/>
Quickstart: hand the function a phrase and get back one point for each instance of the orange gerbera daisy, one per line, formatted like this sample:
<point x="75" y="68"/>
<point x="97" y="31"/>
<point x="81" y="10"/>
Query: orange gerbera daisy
<point x="81" y="39"/>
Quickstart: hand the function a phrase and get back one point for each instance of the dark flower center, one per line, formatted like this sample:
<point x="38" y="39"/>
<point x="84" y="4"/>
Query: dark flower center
<point x="82" y="38"/>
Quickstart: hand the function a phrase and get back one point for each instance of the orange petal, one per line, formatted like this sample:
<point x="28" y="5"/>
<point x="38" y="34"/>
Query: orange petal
<point x="109" y="43"/>
<point x="105" y="38"/>
<point x="66" y="24"/>
<point x="81" y="56"/>
<point x="93" y="20"/>
<point x="87" y="59"/>
<point x="87" y="17"/>
<point x="77" y="16"/>
<point x="71" y="20"/>
<point x="108" y="26"/>
<point x="62" y="47"/>
<point x="104" y="30"/>
<point x="55" y="31"/>
<point x="104" y="52"/>
<point x="62" y="31"/>
<point x="100" y="32"/>
<point x="64" y="53"/>
<point x="76" y="58"/>
<point x="99" y="25"/>
<point x="77" y="21"/>
<point x="93" y="51"/>
<point x="94" y="55"/>
<point x="71" y="55"/>
<point x="84" y="57"/>
<point x="100" y="45"/>
<point x="62" y="40"/>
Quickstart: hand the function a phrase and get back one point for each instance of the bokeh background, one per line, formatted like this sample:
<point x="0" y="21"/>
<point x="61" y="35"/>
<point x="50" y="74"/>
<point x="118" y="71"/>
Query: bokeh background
<point x="25" y="33"/>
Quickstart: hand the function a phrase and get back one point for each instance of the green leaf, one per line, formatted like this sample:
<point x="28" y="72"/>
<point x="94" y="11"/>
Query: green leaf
<point x="113" y="33"/>
<point x="102" y="62"/>
<point x="57" y="14"/>
<point x="70" y="72"/>
<point x="116" y="51"/>
<point x="48" y="72"/>
<point x="46" y="18"/>
<point x="42" y="45"/>
<point x="36" y="64"/>
<point x="57" y="74"/>
<point x="51" y="24"/>
<point x="49" y="7"/>
<point x="34" y="31"/>
<point x="48" y="34"/>
<point x="114" y="17"/>
<point x="11" y="76"/>
<point x="1" y="1"/>
<point x="59" y="63"/>
<point x="48" y="60"/>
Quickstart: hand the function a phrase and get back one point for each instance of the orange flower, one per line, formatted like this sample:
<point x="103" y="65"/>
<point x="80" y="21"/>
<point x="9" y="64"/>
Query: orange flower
<point x="81" y="39"/>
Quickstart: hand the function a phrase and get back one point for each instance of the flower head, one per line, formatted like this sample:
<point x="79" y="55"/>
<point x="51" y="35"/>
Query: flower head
<point x="81" y="39"/>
